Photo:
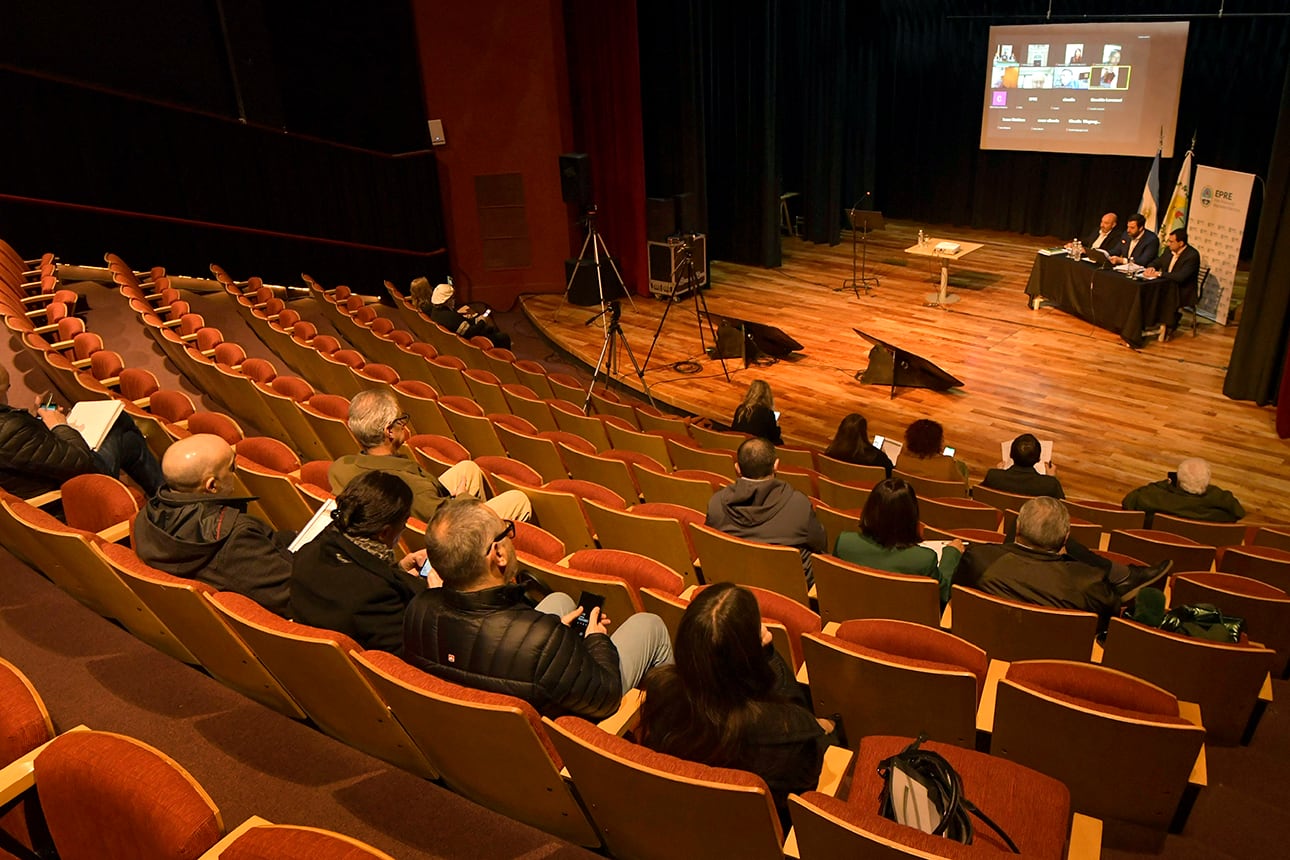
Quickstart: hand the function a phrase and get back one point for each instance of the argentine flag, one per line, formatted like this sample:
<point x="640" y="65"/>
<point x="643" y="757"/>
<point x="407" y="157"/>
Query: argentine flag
<point x="1150" y="202"/>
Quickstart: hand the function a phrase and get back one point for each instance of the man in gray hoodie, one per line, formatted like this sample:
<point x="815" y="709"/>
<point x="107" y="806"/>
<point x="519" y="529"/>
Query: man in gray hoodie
<point x="760" y="507"/>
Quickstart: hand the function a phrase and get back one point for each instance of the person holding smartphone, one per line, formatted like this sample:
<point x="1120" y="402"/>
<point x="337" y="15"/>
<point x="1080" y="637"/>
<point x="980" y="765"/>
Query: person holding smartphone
<point x="478" y="630"/>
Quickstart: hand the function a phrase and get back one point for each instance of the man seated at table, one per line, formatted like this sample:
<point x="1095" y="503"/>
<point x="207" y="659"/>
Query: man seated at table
<point x="1138" y="245"/>
<point x="1106" y="236"/>
<point x="1180" y="265"/>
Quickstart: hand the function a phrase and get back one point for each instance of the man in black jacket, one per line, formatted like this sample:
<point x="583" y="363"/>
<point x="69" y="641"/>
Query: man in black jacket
<point x="1021" y="478"/>
<point x="762" y="508"/>
<point x="464" y="321"/>
<point x="1179" y="264"/>
<point x="38" y="454"/>
<point x="196" y="528"/>
<point x="478" y="630"/>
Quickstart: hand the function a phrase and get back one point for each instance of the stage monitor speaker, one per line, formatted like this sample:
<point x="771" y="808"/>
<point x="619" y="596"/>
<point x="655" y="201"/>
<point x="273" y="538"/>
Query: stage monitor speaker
<point x="575" y="178"/>
<point x="585" y="290"/>
<point x="891" y="365"/>
<point x="660" y="218"/>
<point x="751" y="340"/>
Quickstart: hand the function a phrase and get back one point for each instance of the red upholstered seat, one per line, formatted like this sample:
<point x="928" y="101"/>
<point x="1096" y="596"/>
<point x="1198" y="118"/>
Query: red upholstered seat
<point x="639" y="571"/>
<point x="92" y="503"/>
<point x="1033" y="809"/>
<point x="417" y="388"/>
<point x="588" y="490"/>
<point x="514" y="470"/>
<point x="268" y="452"/>
<point x="916" y="644"/>
<point x="108" y="796"/>
<point x="464" y="405"/>
<point x="216" y="424"/>
<point x="315" y="472"/>
<point x="538" y="542"/>
<point x="24" y="725"/>
<point x="573" y="440"/>
<point x="449" y="450"/>
<point x="1095" y="687"/>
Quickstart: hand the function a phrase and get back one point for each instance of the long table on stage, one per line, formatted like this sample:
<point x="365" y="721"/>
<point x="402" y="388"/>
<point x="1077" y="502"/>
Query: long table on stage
<point x="1104" y="297"/>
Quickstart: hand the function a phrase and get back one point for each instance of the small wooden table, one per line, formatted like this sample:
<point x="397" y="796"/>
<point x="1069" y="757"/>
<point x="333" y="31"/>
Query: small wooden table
<point x="942" y="298"/>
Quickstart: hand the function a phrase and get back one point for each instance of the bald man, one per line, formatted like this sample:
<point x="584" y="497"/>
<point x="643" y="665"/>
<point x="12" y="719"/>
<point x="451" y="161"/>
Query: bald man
<point x="1106" y="237"/>
<point x="197" y="528"/>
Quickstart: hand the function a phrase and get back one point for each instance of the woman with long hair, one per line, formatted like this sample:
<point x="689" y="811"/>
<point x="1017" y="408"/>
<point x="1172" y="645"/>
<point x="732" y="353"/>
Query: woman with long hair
<point x="889" y="538"/>
<point x="756" y="414"/>
<point x="851" y="444"/>
<point x="730" y="701"/>
<point x="349" y="578"/>
<point x="924" y="454"/>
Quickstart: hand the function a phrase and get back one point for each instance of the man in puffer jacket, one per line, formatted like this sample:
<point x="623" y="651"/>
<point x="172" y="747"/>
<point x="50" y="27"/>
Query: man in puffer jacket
<point x="479" y="631"/>
<point x="38" y="454"/>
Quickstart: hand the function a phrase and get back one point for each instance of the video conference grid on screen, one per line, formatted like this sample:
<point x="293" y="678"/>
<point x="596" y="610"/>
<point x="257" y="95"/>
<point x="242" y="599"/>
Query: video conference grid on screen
<point x="1099" y="89"/>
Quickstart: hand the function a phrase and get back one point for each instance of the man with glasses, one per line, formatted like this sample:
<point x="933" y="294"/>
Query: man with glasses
<point x="197" y="527"/>
<point x="479" y="631"/>
<point x="381" y="427"/>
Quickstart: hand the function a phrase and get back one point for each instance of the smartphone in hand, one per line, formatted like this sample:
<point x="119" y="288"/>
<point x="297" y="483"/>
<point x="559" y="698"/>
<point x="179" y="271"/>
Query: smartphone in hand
<point x="588" y="601"/>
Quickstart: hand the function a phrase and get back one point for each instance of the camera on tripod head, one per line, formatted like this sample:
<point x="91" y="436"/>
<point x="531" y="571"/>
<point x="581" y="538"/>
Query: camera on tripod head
<point x="588" y="215"/>
<point x="615" y="309"/>
<point x="682" y="244"/>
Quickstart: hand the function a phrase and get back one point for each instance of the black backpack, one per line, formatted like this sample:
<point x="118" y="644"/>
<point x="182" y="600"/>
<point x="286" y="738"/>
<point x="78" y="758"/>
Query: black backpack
<point x="944" y="790"/>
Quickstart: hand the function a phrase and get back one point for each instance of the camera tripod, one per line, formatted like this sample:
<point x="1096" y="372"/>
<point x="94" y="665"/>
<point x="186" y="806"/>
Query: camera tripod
<point x="607" y="365"/>
<point x="596" y="243"/>
<point x="683" y="273"/>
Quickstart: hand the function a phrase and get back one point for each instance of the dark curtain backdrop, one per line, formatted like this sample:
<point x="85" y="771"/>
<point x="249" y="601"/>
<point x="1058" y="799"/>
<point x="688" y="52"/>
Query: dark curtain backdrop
<point x="900" y="83"/>
<point x="604" y="79"/>
<point x="1259" y="359"/>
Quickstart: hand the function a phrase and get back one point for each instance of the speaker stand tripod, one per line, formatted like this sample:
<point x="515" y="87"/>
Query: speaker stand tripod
<point x="683" y="273"/>
<point x="596" y="243"/>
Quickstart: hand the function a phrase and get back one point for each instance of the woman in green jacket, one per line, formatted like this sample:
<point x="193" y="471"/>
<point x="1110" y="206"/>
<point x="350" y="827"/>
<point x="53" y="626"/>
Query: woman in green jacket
<point x="889" y="538"/>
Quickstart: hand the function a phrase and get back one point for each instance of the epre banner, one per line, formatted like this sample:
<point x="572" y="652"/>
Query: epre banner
<point x="1215" y="225"/>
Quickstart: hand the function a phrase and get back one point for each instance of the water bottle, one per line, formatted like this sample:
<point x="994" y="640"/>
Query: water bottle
<point x="922" y="240"/>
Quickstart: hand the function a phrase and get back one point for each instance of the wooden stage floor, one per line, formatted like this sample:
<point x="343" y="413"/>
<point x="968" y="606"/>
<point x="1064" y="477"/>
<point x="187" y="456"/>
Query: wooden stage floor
<point x="1119" y="417"/>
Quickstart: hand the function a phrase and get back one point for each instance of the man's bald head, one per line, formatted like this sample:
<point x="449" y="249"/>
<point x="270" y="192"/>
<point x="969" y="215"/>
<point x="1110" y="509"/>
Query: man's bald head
<point x="1109" y="220"/>
<point x="202" y="463"/>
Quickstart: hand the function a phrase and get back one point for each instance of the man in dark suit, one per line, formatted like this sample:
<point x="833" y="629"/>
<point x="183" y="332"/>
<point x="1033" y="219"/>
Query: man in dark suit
<point x="1138" y="244"/>
<point x="1021" y="478"/>
<point x="1180" y="265"/>
<point x="1106" y="236"/>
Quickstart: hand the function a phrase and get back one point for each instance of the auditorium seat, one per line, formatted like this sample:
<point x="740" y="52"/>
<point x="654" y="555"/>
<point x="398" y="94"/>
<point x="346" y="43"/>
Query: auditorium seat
<point x="1209" y="534"/>
<point x="502" y="364"/>
<point x="436" y="454"/>
<point x="328" y="415"/>
<point x="525" y="402"/>
<point x="725" y="558"/>
<point x="314" y="666"/>
<point x="486" y="390"/>
<point x="1153" y="547"/>
<point x="183" y="606"/>
<point x="692" y="456"/>
<point x="446" y="374"/>
<point x="1109" y="516"/>
<point x="694" y="493"/>
<point x="848" y="473"/>
<point x="848" y="591"/>
<point x="24" y="726"/>
<point x="652" y="445"/>
<point x="928" y="488"/>
<point x="843" y="496"/>
<point x="1010" y="630"/>
<point x="1265" y="563"/>
<point x="606" y="402"/>
<point x="955" y="513"/>
<point x="610" y="472"/>
<point x="718" y="440"/>
<point x="106" y="796"/>
<point x="1033" y="809"/>
<point x="1265" y="608"/>
<point x="694" y="810"/>
<point x="470" y="736"/>
<point x="1069" y="719"/>
<point x="653" y="529"/>
<point x="896" y="677"/>
<point x="1224" y="679"/>
<point x="569" y="418"/>
<point x="652" y="420"/>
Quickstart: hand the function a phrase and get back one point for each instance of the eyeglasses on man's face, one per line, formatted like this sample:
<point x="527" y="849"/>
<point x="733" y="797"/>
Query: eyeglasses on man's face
<point x="401" y="421"/>
<point x="508" y="532"/>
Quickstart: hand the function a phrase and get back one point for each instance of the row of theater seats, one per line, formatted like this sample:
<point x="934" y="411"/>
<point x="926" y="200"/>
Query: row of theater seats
<point x="643" y="591"/>
<point x="94" y="794"/>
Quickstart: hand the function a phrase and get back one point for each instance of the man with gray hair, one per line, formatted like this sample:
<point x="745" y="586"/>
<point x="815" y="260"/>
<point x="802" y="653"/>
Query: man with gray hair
<point x="381" y="427"/>
<point x="1045" y="567"/>
<point x="1186" y="493"/>
<point x="479" y="631"/>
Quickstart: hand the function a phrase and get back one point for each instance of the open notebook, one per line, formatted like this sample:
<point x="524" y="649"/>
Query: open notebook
<point x="94" y="418"/>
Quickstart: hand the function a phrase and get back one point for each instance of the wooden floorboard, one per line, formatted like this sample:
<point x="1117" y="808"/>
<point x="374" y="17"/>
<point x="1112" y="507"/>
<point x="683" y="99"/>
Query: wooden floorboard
<point x="1120" y="417"/>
